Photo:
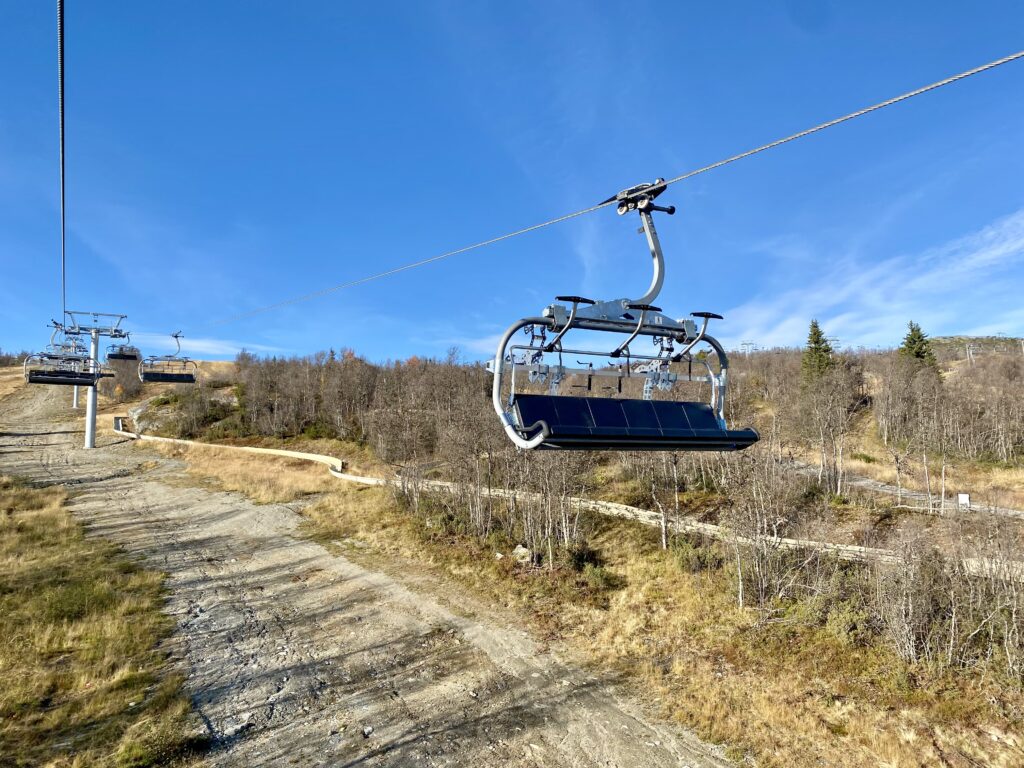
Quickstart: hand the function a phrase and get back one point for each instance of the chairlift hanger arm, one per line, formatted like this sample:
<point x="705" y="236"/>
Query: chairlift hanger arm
<point x="100" y="323"/>
<point x="177" y="340"/>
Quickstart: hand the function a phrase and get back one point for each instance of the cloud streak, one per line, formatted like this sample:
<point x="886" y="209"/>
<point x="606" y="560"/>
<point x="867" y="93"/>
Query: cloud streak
<point x="157" y="343"/>
<point x="865" y="303"/>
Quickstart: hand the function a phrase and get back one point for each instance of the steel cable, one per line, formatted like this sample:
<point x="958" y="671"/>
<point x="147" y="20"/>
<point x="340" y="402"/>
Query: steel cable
<point x="60" y="108"/>
<point x="591" y="209"/>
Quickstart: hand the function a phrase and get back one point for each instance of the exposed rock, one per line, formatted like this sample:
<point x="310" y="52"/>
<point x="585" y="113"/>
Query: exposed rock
<point x="522" y="555"/>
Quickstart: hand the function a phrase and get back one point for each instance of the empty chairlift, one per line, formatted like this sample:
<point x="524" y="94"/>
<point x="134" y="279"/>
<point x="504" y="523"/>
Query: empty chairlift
<point x="65" y="362"/>
<point x="124" y="352"/>
<point x="629" y="402"/>
<point x="169" y="369"/>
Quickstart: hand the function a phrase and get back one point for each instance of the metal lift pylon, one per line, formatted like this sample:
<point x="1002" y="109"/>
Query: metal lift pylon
<point x="94" y="325"/>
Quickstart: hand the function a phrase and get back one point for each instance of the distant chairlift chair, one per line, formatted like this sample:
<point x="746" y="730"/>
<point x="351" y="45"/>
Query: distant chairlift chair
<point x="595" y="422"/>
<point x="124" y="351"/>
<point x="64" y="363"/>
<point x="169" y="369"/>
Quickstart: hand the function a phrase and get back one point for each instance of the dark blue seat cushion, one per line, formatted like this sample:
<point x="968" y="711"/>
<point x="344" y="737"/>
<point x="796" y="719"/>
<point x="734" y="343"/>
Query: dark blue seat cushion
<point x="67" y="378"/>
<point x="168" y="378"/>
<point x="592" y="423"/>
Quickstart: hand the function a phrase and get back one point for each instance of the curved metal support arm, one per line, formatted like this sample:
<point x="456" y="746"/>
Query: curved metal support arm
<point x="499" y="367"/>
<point x="28" y="359"/>
<point x="718" y="393"/>
<point x="658" y="280"/>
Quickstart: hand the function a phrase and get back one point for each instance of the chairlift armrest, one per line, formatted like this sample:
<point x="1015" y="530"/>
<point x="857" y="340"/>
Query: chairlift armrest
<point x="575" y="299"/>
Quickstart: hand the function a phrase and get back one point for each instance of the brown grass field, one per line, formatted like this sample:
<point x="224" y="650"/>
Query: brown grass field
<point x="12" y="378"/>
<point x="85" y="680"/>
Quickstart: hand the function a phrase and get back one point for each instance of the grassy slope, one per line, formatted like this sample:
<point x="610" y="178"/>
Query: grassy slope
<point x="12" y="378"/>
<point x="988" y="483"/>
<point x="787" y="693"/>
<point x="85" y="681"/>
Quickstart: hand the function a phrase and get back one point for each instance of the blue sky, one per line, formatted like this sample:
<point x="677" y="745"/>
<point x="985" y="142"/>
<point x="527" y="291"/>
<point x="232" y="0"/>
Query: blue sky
<point x="227" y="155"/>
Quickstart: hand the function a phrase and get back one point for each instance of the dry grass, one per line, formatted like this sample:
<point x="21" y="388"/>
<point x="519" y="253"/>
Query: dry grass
<point x="988" y="484"/>
<point x="12" y="378"/>
<point x="217" y="369"/>
<point x="264" y="479"/>
<point x="84" y="682"/>
<point x="788" y="693"/>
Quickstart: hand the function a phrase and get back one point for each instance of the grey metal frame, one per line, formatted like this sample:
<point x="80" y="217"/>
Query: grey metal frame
<point x="187" y="365"/>
<point x="68" y="355"/>
<point x="609" y="316"/>
<point x="116" y="351"/>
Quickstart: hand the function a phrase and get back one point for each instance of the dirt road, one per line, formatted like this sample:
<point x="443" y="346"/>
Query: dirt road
<point x="295" y="655"/>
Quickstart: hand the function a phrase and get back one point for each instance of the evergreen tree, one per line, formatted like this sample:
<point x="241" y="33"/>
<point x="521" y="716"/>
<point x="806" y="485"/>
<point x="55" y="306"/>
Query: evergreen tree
<point x="817" y="357"/>
<point x="917" y="346"/>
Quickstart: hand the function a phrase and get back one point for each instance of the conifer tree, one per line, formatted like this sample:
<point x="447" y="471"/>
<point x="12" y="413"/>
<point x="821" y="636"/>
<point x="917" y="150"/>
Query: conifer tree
<point x="817" y="357"/>
<point x="917" y="346"/>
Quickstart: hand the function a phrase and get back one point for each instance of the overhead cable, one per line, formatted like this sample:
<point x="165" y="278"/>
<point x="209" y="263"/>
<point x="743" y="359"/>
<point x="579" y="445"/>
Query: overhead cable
<point x="60" y="108"/>
<point x="591" y="209"/>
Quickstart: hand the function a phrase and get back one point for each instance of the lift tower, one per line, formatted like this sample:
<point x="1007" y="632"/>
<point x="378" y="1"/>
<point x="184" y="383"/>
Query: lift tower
<point x="94" y="325"/>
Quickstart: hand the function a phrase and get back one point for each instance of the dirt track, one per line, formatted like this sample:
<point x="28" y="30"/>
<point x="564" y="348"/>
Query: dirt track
<point x="293" y="653"/>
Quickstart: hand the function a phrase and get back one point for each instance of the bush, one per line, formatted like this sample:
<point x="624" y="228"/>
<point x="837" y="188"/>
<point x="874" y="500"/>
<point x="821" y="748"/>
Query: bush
<point x="694" y="554"/>
<point x="581" y="557"/>
<point x="319" y="431"/>
<point x="600" y="579"/>
<point x="850" y="623"/>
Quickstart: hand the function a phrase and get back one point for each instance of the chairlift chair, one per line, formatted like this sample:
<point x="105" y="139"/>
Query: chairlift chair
<point x="66" y="362"/>
<point x="551" y="420"/>
<point x="124" y="351"/>
<point x="169" y="369"/>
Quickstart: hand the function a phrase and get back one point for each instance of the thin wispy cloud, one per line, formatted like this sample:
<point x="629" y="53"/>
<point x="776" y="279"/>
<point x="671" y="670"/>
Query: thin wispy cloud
<point x="968" y="284"/>
<point x="157" y="343"/>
